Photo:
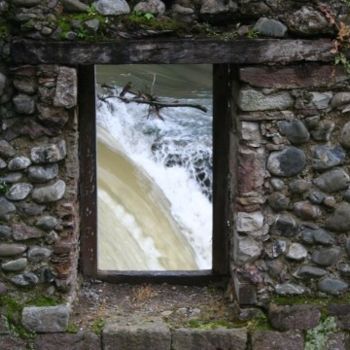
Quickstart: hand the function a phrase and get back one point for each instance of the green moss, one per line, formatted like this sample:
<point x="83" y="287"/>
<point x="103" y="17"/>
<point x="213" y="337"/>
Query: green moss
<point x="44" y="301"/>
<point x="137" y="21"/>
<point x="207" y="325"/>
<point x="316" y="338"/>
<point x="98" y="326"/>
<point x="72" y="328"/>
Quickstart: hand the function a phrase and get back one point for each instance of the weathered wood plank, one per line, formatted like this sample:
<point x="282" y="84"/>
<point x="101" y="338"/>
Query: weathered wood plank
<point x="257" y="51"/>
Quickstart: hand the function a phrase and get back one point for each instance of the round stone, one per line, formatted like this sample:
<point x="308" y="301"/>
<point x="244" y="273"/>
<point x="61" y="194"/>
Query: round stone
<point x="332" y="286"/>
<point x="112" y="7"/>
<point x="340" y="99"/>
<point x="25" y="280"/>
<point x="10" y="249"/>
<point x="285" y="225"/>
<point x="19" y="163"/>
<point x="308" y="271"/>
<point x="38" y="254"/>
<point x="50" y="193"/>
<point x="24" y="104"/>
<point x="289" y="289"/>
<point x="295" y="131"/>
<point x="339" y="221"/>
<point x="6" y="150"/>
<point x="156" y="7"/>
<point x="323" y="131"/>
<point x="289" y="162"/>
<point x="277" y="184"/>
<point x="299" y="186"/>
<point x="296" y="252"/>
<point x="51" y="153"/>
<point x="325" y="157"/>
<point x="345" y="135"/>
<point x="12" y="178"/>
<point x="19" y="191"/>
<point x="306" y="210"/>
<point x="326" y="256"/>
<point x="42" y="173"/>
<point x="6" y="207"/>
<point x="333" y="181"/>
<point x="14" y="265"/>
<point x="3" y="164"/>
<point x="278" y="201"/>
<point x="316" y="236"/>
<point x="270" y="27"/>
<point x="47" y="223"/>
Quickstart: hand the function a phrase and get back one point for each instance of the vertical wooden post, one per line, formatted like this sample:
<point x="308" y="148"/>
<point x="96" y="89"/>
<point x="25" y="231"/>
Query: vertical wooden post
<point x="87" y="162"/>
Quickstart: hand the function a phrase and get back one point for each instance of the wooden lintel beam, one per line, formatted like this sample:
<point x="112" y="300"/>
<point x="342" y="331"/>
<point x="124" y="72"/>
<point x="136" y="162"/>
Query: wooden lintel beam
<point x="247" y="51"/>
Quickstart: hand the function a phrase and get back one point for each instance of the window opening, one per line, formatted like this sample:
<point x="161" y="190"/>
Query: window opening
<point x="154" y="168"/>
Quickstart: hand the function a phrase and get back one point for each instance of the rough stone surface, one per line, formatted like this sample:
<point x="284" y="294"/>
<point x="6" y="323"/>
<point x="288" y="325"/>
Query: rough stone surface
<point x="74" y="6"/>
<point x="289" y="289"/>
<point x="155" y="335"/>
<point x="316" y="236"/>
<point x="37" y="254"/>
<point x="19" y="163"/>
<point x="326" y="256"/>
<point x="293" y="317"/>
<point x="332" y="286"/>
<point x="49" y="153"/>
<point x="289" y="162"/>
<point x="308" y="271"/>
<point x="270" y="27"/>
<point x="306" y="210"/>
<point x="339" y="221"/>
<point x="112" y="7"/>
<point x="249" y="222"/>
<point x="79" y="341"/>
<point x="254" y="100"/>
<point x="27" y="279"/>
<point x="333" y="181"/>
<point x="271" y="340"/>
<point x="285" y="225"/>
<point x="66" y="88"/>
<point x="295" y="131"/>
<point x="6" y="207"/>
<point x="325" y="157"/>
<point x="10" y="342"/>
<point x="156" y="7"/>
<point x="296" y="252"/>
<point x="345" y="135"/>
<point x="14" y="265"/>
<point x="23" y="232"/>
<point x="6" y="150"/>
<point x="248" y="250"/>
<point x="308" y="21"/>
<point x="24" y="104"/>
<point x="11" y="249"/>
<point x="209" y="339"/>
<point x="217" y="7"/>
<point x="323" y="131"/>
<point x="41" y="174"/>
<point x="19" y="191"/>
<point x="49" y="319"/>
<point x="47" y="222"/>
<point x="49" y="193"/>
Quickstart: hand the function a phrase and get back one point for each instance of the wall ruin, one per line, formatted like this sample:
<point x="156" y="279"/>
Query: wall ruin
<point x="291" y="214"/>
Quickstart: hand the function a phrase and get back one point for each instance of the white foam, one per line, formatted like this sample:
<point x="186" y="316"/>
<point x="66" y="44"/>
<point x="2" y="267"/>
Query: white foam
<point x="135" y="134"/>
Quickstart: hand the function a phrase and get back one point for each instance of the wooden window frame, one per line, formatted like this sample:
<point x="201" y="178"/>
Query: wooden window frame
<point x="224" y="149"/>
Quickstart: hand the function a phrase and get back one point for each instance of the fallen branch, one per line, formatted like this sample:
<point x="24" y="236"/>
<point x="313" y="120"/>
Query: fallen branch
<point x="154" y="103"/>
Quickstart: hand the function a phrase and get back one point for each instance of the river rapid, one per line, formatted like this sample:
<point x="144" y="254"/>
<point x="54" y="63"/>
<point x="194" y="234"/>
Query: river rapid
<point x="154" y="176"/>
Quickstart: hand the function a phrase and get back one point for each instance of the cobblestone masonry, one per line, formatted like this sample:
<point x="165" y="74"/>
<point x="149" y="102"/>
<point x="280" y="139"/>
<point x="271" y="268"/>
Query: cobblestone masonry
<point x="291" y="230"/>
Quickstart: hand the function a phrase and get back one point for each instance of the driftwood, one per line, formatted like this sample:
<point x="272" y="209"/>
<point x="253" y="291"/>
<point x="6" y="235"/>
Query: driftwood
<point x="148" y="99"/>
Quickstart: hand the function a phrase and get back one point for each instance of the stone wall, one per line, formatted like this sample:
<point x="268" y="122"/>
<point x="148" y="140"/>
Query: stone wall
<point x="38" y="183"/>
<point x="291" y="232"/>
<point x="86" y="20"/>
<point x="293" y="210"/>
